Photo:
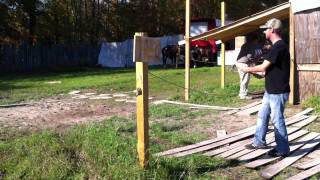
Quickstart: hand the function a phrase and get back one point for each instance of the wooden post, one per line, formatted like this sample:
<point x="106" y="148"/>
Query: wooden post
<point x="222" y="53"/>
<point x="292" y="57"/>
<point x="142" y="109"/>
<point x="187" y="53"/>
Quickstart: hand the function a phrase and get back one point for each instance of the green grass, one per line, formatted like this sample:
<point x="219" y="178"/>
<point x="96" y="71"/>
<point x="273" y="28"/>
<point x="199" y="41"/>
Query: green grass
<point x="205" y="84"/>
<point x="99" y="151"/>
<point x="314" y="102"/>
<point x="107" y="150"/>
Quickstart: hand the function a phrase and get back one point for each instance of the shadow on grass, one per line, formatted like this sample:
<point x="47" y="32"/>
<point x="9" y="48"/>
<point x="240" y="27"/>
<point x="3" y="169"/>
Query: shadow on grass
<point x="9" y="86"/>
<point x="67" y="73"/>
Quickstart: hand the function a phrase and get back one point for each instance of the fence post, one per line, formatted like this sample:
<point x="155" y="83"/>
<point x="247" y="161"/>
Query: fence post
<point x="222" y="53"/>
<point x="142" y="105"/>
<point x="187" y="53"/>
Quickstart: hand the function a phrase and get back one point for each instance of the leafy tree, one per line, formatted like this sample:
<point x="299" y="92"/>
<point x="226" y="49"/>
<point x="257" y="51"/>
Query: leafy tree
<point x="92" y="21"/>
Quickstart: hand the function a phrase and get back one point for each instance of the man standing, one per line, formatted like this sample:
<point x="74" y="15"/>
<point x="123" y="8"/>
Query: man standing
<point x="277" y="66"/>
<point x="249" y="53"/>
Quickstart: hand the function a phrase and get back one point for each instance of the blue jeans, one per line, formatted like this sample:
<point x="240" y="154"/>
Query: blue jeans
<point x="273" y="107"/>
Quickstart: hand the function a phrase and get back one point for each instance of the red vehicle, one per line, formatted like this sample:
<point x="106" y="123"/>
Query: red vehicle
<point x="203" y="52"/>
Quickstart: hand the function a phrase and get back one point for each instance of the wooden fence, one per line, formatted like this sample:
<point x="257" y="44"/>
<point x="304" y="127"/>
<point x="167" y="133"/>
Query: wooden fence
<point x="29" y="58"/>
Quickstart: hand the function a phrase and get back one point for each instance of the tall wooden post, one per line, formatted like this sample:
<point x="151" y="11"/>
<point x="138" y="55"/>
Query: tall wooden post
<point x="292" y="63"/>
<point x="142" y="108"/>
<point x="222" y="53"/>
<point x="187" y="53"/>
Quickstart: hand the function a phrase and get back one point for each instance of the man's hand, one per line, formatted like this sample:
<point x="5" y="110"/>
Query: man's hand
<point x="244" y="69"/>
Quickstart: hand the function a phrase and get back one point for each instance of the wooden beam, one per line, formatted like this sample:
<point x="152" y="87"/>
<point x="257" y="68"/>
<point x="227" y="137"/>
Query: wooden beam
<point x="315" y="154"/>
<point x="308" y="67"/>
<point x="142" y="110"/>
<point x="197" y="105"/>
<point x="305" y="122"/>
<point x="308" y="164"/>
<point x="243" y="108"/>
<point x="250" y="111"/>
<point x="223" y="48"/>
<point x="246" y="25"/>
<point x="187" y="53"/>
<point x="292" y="63"/>
<point x="142" y="113"/>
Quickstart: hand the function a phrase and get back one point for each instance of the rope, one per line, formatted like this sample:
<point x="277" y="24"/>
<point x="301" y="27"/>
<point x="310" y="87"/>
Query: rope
<point x="174" y="84"/>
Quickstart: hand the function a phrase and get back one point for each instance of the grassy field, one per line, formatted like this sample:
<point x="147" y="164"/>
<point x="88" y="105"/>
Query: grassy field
<point x="107" y="150"/>
<point x="205" y="83"/>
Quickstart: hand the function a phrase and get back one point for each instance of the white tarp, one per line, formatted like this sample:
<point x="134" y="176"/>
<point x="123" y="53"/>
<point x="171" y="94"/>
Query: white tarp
<point x="230" y="57"/>
<point x="120" y="54"/>
<point x="302" y="5"/>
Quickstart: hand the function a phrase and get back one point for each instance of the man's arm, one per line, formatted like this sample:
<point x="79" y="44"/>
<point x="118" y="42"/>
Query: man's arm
<point x="260" y="68"/>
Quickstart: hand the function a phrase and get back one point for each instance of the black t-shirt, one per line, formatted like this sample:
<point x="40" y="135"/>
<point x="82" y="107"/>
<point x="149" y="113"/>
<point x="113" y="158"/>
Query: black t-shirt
<point x="278" y="73"/>
<point x="252" y="51"/>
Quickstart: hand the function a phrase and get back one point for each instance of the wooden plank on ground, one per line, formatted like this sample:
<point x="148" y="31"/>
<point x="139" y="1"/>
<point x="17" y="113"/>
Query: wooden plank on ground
<point x="244" y="142"/>
<point x="241" y="152"/>
<point x="274" y="169"/>
<point x="308" y="164"/>
<point x="250" y="111"/>
<point x="294" y="146"/>
<point x="269" y="140"/>
<point x="203" y="143"/>
<point x="260" y="152"/>
<point x="227" y="148"/>
<point x="197" y="105"/>
<point x="234" y="153"/>
<point x="214" y="145"/>
<point x="289" y="121"/>
<point x="243" y="108"/>
<point x="304" y="112"/>
<point x="305" y="174"/>
<point x="305" y="122"/>
<point x="315" y="153"/>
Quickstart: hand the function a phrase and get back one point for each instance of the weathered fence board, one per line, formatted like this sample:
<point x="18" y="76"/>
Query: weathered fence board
<point x="29" y="58"/>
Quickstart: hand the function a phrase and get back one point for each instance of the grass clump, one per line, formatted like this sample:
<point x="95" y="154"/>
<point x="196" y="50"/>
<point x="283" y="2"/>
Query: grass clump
<point x="165" y="111"/>
<point x="105" y="150"/>
<point x="38" y="156"/>
<point x="313" y="102"/>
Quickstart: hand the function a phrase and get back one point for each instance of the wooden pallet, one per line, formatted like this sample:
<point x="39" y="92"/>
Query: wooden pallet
<point x="243" y="108"/>
<point x="294" y="146"/>
<point x="220" y="141"/>
<point x="232" y="146"/>
<point x="305" y="174"/>
<point x="274" y="169"/>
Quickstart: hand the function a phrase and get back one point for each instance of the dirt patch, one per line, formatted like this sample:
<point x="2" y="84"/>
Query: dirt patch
<point x="62" y="112"/>
<point x="55" y="113"/>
